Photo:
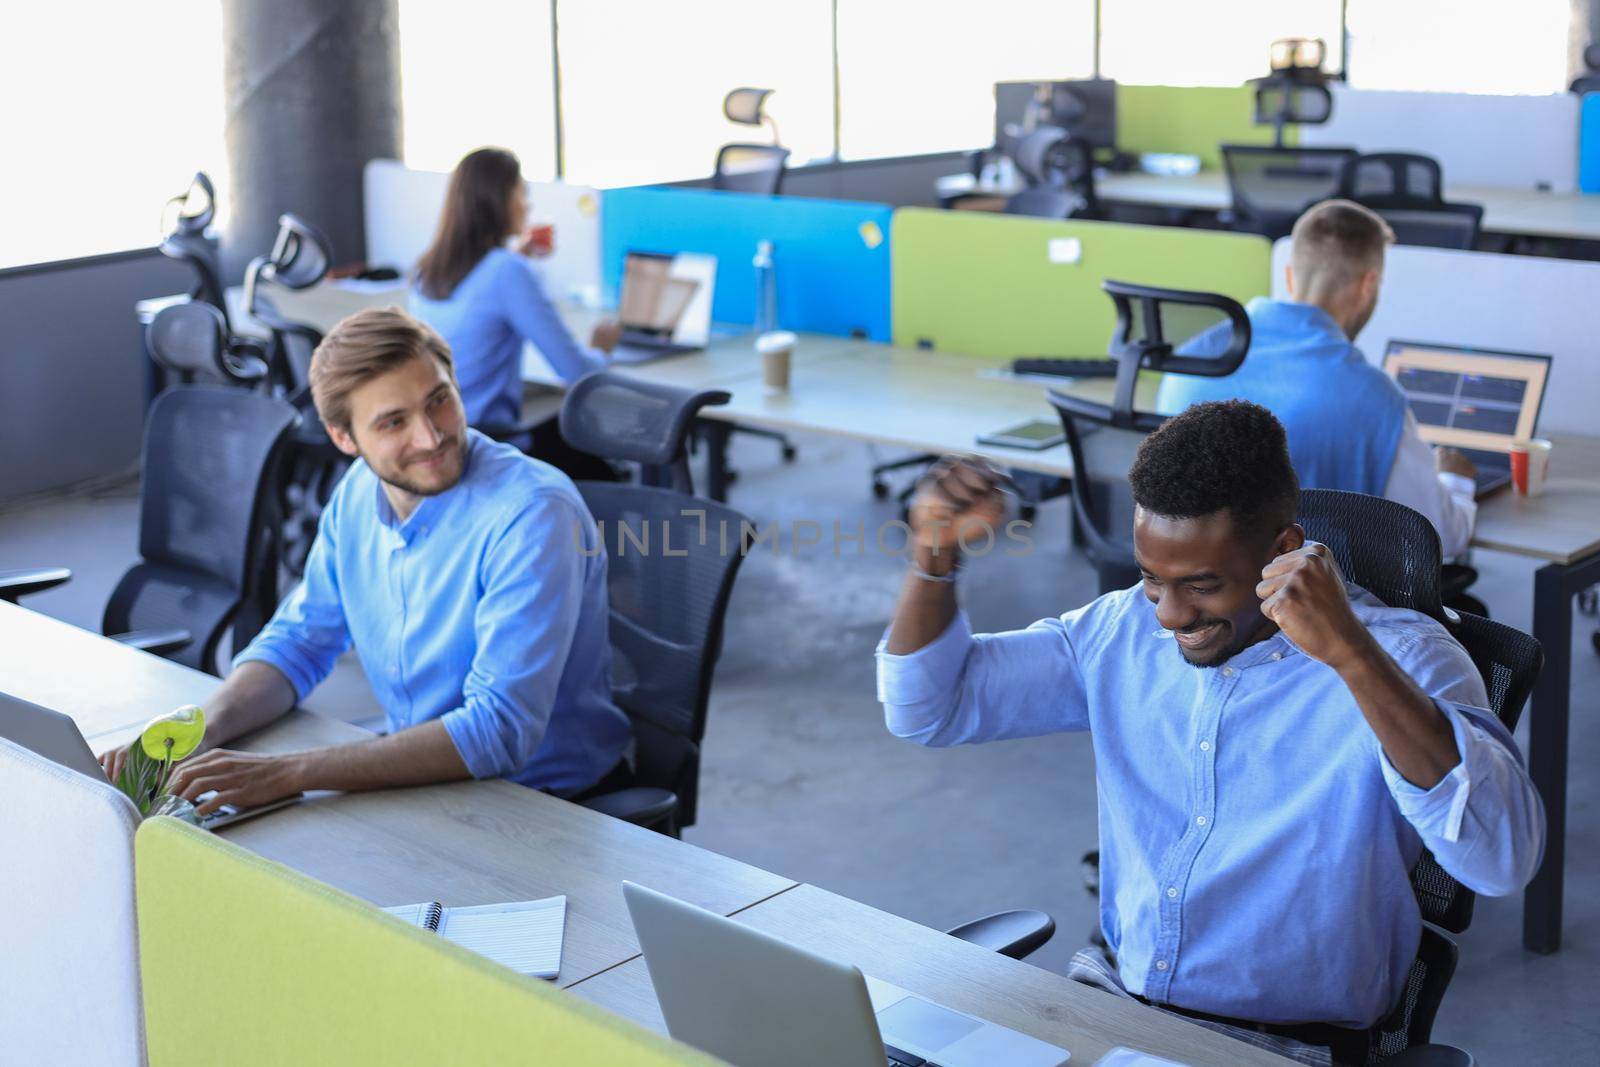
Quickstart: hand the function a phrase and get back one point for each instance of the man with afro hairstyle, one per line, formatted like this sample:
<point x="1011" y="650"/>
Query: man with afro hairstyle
<point x="1273" y="748"/>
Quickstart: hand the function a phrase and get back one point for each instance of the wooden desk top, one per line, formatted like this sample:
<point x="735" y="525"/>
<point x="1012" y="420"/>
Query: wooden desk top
<point x="103" y="686"/>
<point x="1563" y="524"/>
<point x="1045" y="1005"/>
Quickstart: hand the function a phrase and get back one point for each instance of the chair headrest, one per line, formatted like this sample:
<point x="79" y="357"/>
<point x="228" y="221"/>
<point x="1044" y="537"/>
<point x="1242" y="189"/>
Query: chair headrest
<point x="743" y="105"/>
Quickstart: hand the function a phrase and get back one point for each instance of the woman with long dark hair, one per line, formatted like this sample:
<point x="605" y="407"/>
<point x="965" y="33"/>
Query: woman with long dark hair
<point x="486" y="299"/>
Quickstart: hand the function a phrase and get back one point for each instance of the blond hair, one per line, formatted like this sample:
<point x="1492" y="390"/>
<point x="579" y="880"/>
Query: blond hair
<point x="362" y="347"/>
<point x="1335" y="243"/>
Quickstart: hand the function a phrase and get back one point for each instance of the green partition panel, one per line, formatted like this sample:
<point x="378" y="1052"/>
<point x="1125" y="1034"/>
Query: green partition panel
<point x="1004" y="285"/>
<point x="248" y="963"/>
<point x="1189" y="119"/>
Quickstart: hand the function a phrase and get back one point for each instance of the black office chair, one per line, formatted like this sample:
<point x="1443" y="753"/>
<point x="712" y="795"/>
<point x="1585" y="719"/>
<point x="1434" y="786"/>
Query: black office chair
<point x="1408" y="191"/>
<point x="193" y="212"/>
<point x="624" y="418"/>
<point x="191" y="342"/>
<point x="206" y="542"/>
<point x="667" y="611"/>
<point x="1102" y="438"/>
<point x="18" y="582"/>
<point x="1271" y="187"/>
<point x="1393" y="553"/>
<point x="299" y="259"/>
<point x="750" y="168"/>
<point x="1589" y="80"/>
<point x="1060" y="175"/>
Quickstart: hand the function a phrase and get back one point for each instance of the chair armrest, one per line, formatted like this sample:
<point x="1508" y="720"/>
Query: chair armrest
<point x="156" y="642"/>
<point x="640" y="805"/>
<point x="1011" y="933"/>
<point x="27" y="581"/>
<point x="1431" y="1056"/>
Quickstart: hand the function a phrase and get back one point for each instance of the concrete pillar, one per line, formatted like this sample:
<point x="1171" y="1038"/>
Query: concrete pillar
<point x="1585" y="30"/>
<point x="313" y="93"/>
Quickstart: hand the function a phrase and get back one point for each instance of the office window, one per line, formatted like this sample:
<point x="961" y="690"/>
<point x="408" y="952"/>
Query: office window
<point x="476" y="73"/>
<point x="918" y="76"/>
<point x="1443" y="46"/>
<point x="1220" y="42"/>
<point x="642" y="83"/>
<point x="108" y="110"/>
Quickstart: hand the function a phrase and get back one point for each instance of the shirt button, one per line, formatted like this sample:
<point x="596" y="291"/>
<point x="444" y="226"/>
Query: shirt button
<point x="1227" y="672"/>
<point x="1205" y="746"/>
<point x="1172" y="892"/>
<point x="1199" y="820"/>
<point x="1277" y="655"/>
<point x="1161" y="965"/>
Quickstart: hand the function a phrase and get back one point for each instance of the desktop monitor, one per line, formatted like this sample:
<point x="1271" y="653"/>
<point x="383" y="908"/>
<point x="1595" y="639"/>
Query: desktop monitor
<point x="1086" y="109"/>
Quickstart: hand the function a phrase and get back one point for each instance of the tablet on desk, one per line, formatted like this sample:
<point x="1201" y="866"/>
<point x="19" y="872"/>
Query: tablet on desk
<point x="1035" y="435"/>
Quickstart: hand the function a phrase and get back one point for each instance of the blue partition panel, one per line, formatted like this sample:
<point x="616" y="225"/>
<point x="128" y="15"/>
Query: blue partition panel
<point x="832" y="255"/>
<point x="1589" y="144"/>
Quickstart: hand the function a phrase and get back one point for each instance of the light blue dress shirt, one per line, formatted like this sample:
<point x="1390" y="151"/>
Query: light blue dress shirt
<point x="500" y="304"/>
<point x="1255" y="842"/>
<point x="1343" y="416"/>
<point x="486" y="608"/>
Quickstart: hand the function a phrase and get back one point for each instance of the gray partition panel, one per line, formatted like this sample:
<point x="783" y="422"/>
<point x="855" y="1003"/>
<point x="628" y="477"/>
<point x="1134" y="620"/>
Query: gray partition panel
<point x="72" y="367"/>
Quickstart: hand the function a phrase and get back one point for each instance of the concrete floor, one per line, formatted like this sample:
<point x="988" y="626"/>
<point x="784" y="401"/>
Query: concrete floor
<point x="800" y="776"/>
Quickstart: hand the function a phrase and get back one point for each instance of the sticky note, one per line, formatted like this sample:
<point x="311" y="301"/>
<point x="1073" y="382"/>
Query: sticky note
<point x="587" y="205"/>
<point x="871" y="233"/>
<point x="1065" y="250"/>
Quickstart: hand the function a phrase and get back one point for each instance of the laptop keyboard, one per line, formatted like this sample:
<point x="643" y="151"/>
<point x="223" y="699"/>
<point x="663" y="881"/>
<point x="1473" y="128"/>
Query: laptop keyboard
<point x="901" y="1058"/>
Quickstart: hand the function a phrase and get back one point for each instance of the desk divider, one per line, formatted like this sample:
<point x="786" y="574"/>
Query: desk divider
<point x="1003" y="285"/>
<point x="1589" y="144"/>
<point x="832" y="255"/>
<point x="1487" y="300"/>
<point x="247" y="963"/>
<point x="1188" y="119"/>
<point x="1517" y="142"/>
<point x="402" y="209"/>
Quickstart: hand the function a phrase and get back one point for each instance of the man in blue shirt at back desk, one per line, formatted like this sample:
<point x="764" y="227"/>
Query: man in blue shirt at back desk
<point x="469" y="578"/>
<point x="1348" y="423"/>
<point x="1273" y="748"/>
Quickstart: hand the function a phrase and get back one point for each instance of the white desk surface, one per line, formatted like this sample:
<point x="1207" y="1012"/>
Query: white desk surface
<point x="1562" y="525"/>
<point x="1521" y="211"/>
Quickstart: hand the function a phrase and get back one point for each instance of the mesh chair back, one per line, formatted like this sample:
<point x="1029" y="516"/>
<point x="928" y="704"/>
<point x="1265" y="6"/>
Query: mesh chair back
<point x="1411" y="1021"/>
<point x="1271" y="187"/>
<point x="672" y="559"/>
<point x="1385" y="548"/>
<point x="190" y="340"/>
<point x="750" y="168"/>
<point x="1441" y="226"/>
<point x="623" y="418"/>
<point x="1284" y="100"/>
<point x="1102" y="501"/>
<point x="205" y="513"/>
<point x="1393" y="553"/>
<point x="207" y="454"/>
<point x="1393" y="179"/>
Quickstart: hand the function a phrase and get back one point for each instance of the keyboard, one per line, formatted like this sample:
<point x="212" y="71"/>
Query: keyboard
<point x="902" y="1058"/>
<point x="1065" y="368"/>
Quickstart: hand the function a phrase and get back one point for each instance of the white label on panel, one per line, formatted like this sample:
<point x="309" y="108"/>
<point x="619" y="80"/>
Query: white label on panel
<point x="1065" y="250"/>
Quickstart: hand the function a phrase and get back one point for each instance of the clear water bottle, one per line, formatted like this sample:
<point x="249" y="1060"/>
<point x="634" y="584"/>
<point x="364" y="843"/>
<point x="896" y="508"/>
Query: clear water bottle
<point x="766" y="289"/>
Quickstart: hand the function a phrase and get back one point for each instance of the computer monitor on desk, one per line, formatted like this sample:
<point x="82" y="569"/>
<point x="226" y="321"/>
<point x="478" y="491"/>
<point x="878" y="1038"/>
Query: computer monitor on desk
<point x="1085" y="108"/>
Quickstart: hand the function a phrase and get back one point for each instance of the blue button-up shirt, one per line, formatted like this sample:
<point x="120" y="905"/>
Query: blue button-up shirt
<point x="1255" y="842"/>
<point x="486" y="608"/>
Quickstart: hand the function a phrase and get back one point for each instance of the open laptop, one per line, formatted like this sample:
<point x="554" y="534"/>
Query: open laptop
<point x="56" y="737"/>
<point x="756" y="1001"/>
<point x="1474" y="399"/>
<point x="665" y="304"/>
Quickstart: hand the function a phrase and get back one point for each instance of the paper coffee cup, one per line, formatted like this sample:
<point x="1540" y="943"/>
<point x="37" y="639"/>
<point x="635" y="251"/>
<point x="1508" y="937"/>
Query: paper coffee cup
<point x="1530" y="465"/>
<point x="776" y="350"/>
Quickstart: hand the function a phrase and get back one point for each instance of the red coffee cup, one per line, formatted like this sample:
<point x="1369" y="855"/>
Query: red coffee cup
<point x="541" y="240"/>
<point x="1530" y="463"/>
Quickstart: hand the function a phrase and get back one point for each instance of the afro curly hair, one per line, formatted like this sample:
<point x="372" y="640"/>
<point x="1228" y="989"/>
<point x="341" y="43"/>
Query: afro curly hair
<point x="1224" y="454"/>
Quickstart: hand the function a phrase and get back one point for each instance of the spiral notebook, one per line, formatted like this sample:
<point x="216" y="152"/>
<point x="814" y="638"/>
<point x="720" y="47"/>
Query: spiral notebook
<point x="525" y="936"/>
